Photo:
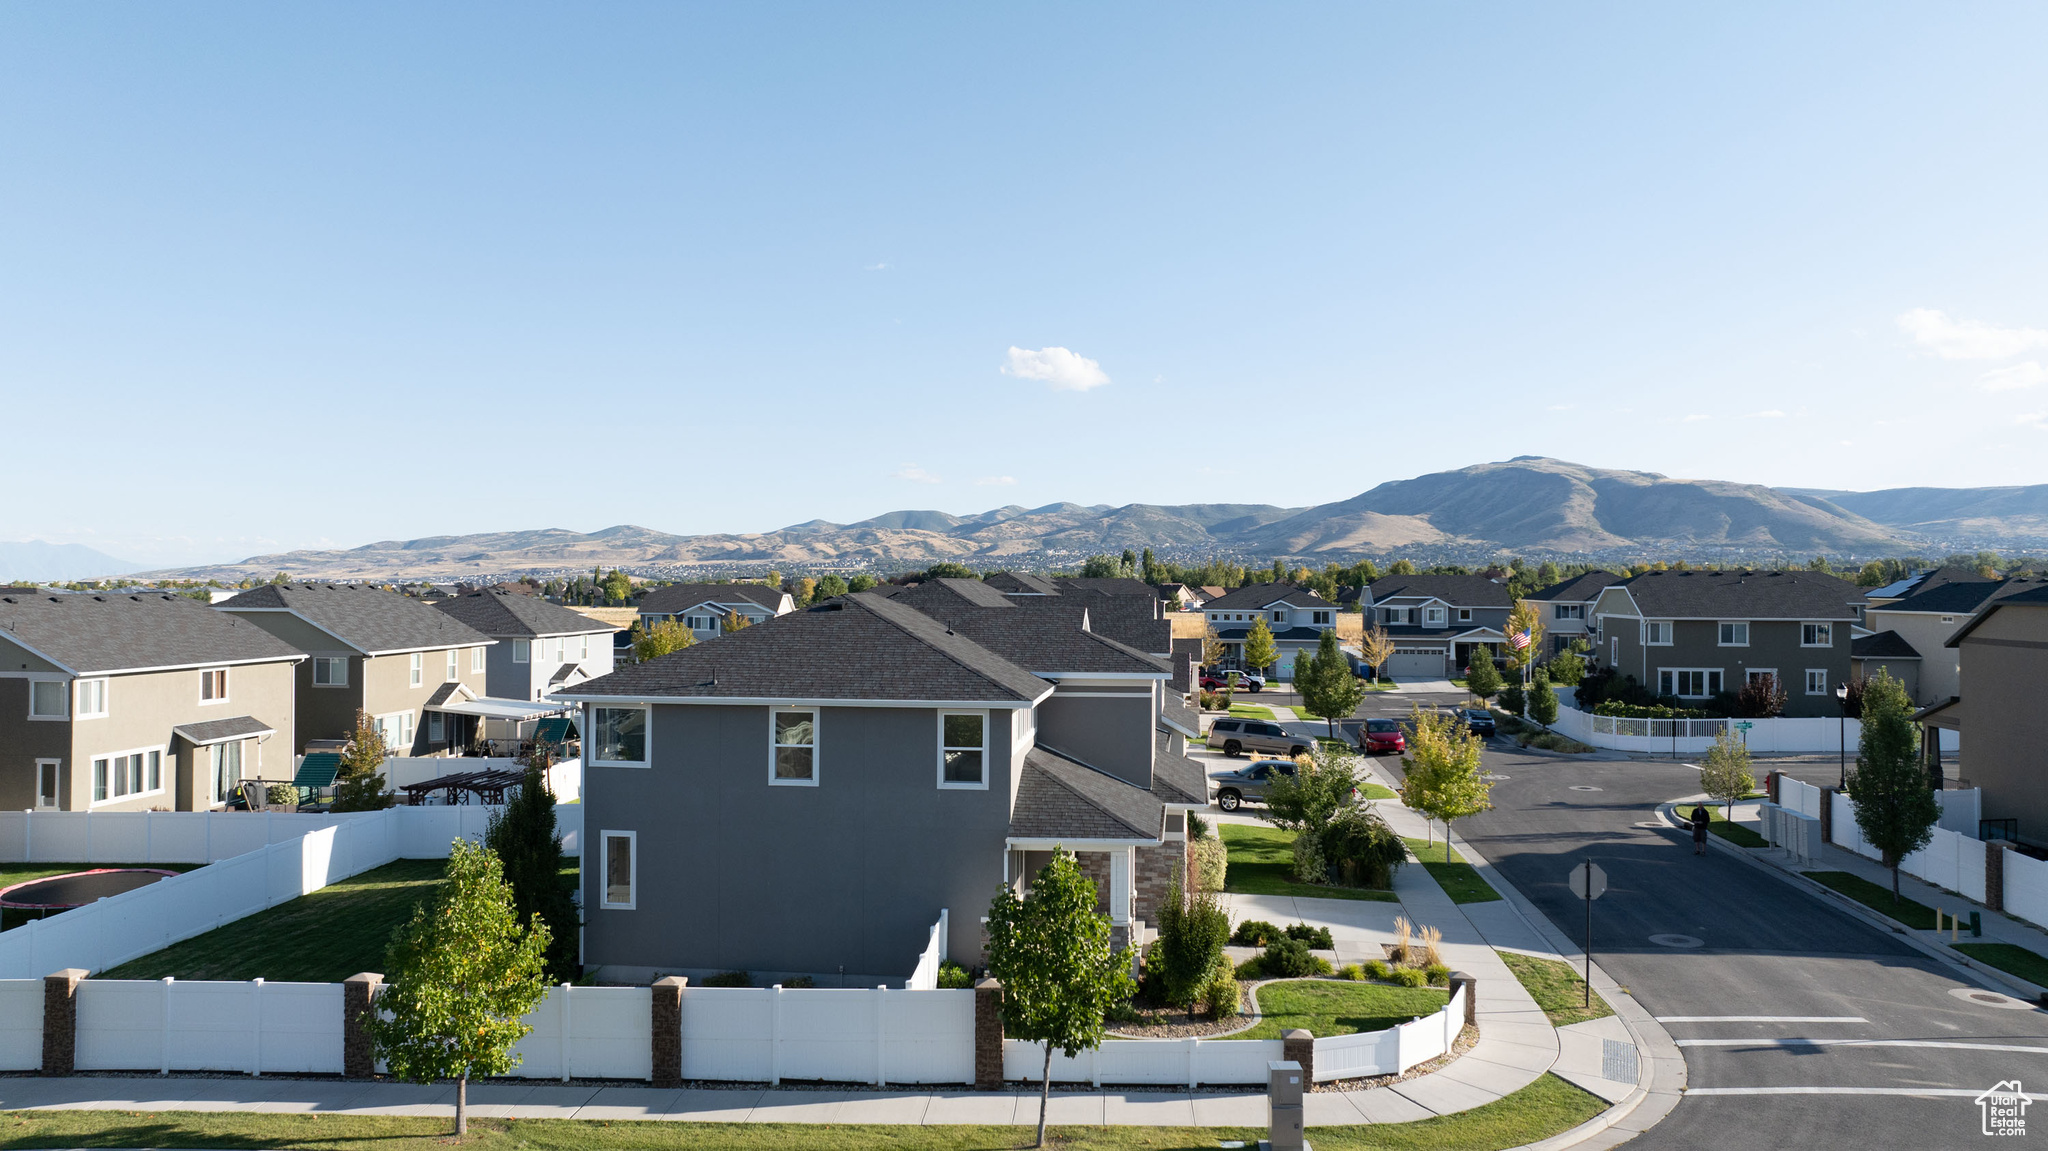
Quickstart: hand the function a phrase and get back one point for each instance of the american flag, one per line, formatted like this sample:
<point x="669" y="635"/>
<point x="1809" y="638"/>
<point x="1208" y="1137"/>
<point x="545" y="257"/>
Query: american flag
<point x="1520" y="639"/>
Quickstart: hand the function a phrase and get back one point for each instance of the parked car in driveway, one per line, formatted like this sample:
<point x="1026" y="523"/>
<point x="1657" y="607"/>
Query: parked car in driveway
<point x="1382" y="737"/>
<point x="1237" y="736"/>
<point x="1478" y="722"/>
<point x="1232" y="680"/>
<point x="1247" y="783"/>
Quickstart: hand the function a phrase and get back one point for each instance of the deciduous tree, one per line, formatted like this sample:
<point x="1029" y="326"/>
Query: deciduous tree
<point x="1307" y="801"/>
<point x="358" y="782"/>
<point x="1526" y="617"/>
<point x="1376" y="648"/>
<point x="1331" y="691"/>
<point x="1193" y="928"/>
<point x="664" y="637"/>
<point x="829" y="585"/>
<point x="1481" y="679"/>
<point x="1443" y="765"/>
<point x="1260" y="652"/>
<point x="1895" y="810"/>
<point x="1568" y="667"/>
<point x="1725" y="773"/>
<point x="734" y="621"/>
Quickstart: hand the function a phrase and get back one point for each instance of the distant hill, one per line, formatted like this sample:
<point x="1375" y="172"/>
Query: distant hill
<point x="1530" y="505"/>
<point x="33" y="561"/>
<point x="2015" y="517"/>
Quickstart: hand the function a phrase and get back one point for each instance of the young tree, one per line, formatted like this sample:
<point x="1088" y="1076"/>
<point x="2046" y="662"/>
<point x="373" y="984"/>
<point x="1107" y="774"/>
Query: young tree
<point x="358" y="784"/>
<point x="1548" y="574"/>
<point x="618" y="587"/>
<point x="1443" y="764"/>
<point x="1376" y="648"/>
<point x="1568" y="667"/>
<point x="1725" y="773"/>
<point x="1401" y="567"/>
<point x="1542" y="700"/>
<point x="1279" y="574"/>
<point x="1099" y="567"/>
<point x="1051" y="952"/>
<point x="1149" y="567"/>
<point x="463" y="972"/>
<point x="1330" y="690"/>
<point x="734" y="621"/>
<point x="1481" y="679"/>
<point x="806" y="588"/>
<point x="1527" y="617"/>
<point x="1212" y="646"/>
<point x="860" y="581"/>
<point x="1762" y="697"/>
<point x="529" y="848"/>
<point x="830" y="585"/>
<point x="1895" y="811"/>
<point x="1308" y="801"/>
<point x="1260" y="652"/>
<point x="664" y="637"/>
<point x="1193" y="928"/>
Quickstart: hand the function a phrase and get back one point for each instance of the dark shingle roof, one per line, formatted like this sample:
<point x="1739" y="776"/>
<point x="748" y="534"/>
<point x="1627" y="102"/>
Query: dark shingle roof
<point x="513" y="615"/>
<point x="95" y="633"/>
<point x="1185" y="719"/>
<point x="369" y="619"/>
<point x="219" y="730"/>
<point x="1239" y="632"/>
<point x="1020" y="583"/>
<point x="1129" y="620"/>
<point x="1743" y="595"/>
<point x="856" y="647"/>
<point x="1961" y="597"/>
<point x="2034" y="596"/>
<point x="1058" y="798"/>
<point x="1176" y="778"/>
<point x="1044" y="635"/>
<point x="1108" y="585"/>
<point x="1259" y="595"/>
<point x="965" y="591"/>
<point x="1883" y="645"/>
<point x="1456" y="590"/>
<point x="683" y="596"/>
<point x="1579" y="588"/>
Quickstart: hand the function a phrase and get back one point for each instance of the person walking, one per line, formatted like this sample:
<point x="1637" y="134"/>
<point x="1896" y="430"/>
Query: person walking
<point x="1700" y="819"/>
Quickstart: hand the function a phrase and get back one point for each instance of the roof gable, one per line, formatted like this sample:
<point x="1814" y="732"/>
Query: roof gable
<point x="1252" y="597"/>
<point x="1742" y="595"/>
<point x="1456" y="590"/>
<point x="369" y="619"/>
<point x="135" y="632"/>
<point x="684" y="596"/>
<point x="515" y="615"/>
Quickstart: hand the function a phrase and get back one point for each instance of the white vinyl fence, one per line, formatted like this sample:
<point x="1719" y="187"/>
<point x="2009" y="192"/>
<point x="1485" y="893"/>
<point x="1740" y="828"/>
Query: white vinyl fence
<point x="165" y="1025"/>
<point x="925" y="977"/>
<point x="1695" y="736"/>
<point x="589" y="1033"/>
<point x="851" y="1036"/>
<point x="1394" y="1050"/>
<point x="1950" y="861"/>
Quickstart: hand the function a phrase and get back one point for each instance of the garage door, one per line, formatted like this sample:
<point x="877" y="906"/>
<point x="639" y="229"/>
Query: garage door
<point x="1417" y="663"/>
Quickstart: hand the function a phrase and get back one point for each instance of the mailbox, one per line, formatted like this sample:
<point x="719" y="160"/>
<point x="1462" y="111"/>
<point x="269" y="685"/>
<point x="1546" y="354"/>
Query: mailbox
<point x="1284" y="1085"/>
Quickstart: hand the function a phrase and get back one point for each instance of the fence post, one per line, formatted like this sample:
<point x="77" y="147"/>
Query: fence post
<point x="1460" y="979"/>
<point x="567" y="1018"/>
<point x="988" y="1035"/>
<point x="775" y="1036"/>
<point x="1827" y="815"/>
<point x="1194" y="1046"/>
<point x="256" y="1065"/>
<point x="60" y="1020"/>
<point x="1299" y="1045"/>
<point x="881" y="1019"/>
<point x="358" y="996"/>
<point x="667" y="1020"/>
<point x="168" y="982"/>
<point x="1994" y="875"/>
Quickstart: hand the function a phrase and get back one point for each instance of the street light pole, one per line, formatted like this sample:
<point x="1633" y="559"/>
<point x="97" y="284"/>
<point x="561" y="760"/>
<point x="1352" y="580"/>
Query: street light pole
<point x="1842" y="730"/>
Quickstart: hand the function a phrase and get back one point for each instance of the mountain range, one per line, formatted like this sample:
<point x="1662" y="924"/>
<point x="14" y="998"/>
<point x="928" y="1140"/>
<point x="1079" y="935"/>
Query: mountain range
<point x="33" y="561"/>
<point x="1529" y="505"/>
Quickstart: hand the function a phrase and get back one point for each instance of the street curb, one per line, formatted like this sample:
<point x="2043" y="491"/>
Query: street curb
<point x="2009" y="983"/>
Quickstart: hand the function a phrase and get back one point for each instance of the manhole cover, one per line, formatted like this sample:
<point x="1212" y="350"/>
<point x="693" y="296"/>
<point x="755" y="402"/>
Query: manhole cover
<point x="1584" y="787"/>
<point x="1677" y="941"/>
<point x="1991" y="999"/>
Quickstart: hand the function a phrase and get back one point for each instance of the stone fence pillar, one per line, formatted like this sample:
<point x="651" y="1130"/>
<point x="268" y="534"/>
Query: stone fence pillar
<point x="60" y="1020"/>
<point x="988" y="1035"/>
<point x="1299" y="1046"/>
<point x="1994" y="874"/>
<point x="1471" y="986"/>
<point x="668" y="1030"/>
<point x="358" y="1002"/>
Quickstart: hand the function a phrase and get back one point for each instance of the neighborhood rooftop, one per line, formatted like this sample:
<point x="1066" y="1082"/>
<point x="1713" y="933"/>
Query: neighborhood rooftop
<point x="1579" y="587"/>
<point x="84" y="634"/>
<point x="681" y="597"/>
<point x="1462" y="590"/>
<point x="514" y="615"/>
<point x="369" y="619"/>
<point x="1742" y="595"/>
<point x="1254" y="596"/>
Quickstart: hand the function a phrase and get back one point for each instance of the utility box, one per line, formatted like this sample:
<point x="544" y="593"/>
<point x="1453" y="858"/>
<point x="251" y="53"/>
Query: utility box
<point x="1285" y="1084"/>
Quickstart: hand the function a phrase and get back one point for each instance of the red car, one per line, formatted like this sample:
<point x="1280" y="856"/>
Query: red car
<point x="1381" y="737"/>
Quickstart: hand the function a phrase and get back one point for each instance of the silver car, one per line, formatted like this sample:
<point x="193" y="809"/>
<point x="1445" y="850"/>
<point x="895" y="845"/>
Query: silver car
<point x="1247" y="783"/>
<point x="1237" y="736"/>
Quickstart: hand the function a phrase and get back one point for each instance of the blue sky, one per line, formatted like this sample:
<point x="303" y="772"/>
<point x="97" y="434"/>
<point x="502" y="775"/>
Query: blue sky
<point x="321" y="274"/>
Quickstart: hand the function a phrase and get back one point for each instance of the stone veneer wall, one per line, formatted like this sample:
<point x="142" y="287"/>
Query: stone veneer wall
<point x="1157" y="869"/>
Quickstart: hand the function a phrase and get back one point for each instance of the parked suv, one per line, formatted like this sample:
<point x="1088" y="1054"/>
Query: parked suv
<point x="1233" y="680"/>
<point x="1478" y="721"/>
<point x="1247" y="783"/>
<point x="1237" y="736"/>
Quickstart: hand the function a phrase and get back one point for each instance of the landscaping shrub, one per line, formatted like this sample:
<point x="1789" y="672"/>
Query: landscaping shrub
<point x="1310" y="864"/>
<point x="1366" y="851"/>
<point x="1255" y="933"/>
<point x="1318" y="937"/>
<point x="1648" y="711"/>
<point x="1212" y="861"/>
<point x="1224" y="997"/>
<point x="1352" y="972"/>
<point x="1215" y="701"/>
<point x="280" y="794"/>
<point x="1439" y="975"/>
<point x="1291" y="959"/>
<point x="1411" y="977"/>
<point x="729" y="979"/>
<point x="1192" y="931"/>
<point x="952" y="977"/>
<point x="799" y="983"/>
<point x="1379" y="969"/>
<point x="524" y="835"/>
<point x="1514" y="700"/>
<point x="358" y="784"/>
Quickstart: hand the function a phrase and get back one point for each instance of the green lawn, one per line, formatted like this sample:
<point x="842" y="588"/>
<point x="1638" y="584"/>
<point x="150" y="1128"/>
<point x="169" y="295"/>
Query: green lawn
<point x="2010" y="958"/>
<point x="324" y="937"/>
<point x="1878" y="898"/>
<point x="1375" y="791"/>
<point x="1250" y="711"/>
<point x="1556" y="987"/>
<point x="1459" y="879"/>
<point x="13" y="873"/>
<point x="1262" y="863"/>
<point x="1339" y="1007"/>
<point x="1734" y="833"/>
<point x="1547" y="1107"/>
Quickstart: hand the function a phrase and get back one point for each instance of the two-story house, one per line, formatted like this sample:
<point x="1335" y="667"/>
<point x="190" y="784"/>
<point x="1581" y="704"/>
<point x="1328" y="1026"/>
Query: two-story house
<point x="703" y="607"/>
<point x="1909" y="634"/>
<point x="2002" y="654"/>
<point x="1296" y="616"/>
<point x="138" y="702"/>
<point x="1567" y="609"/>
<point x="1125" y="610"/>
<point x="1436" y="621"/>
<point x="809" y="795"/>
<point x="1696" y="634"/>
<point x="385" y="653"/>
<point x="542" y="647"/>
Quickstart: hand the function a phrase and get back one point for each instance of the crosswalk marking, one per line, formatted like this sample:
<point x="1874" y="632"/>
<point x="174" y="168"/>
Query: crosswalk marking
<point x="1942" y="1044"/>
<point x="1927" y="1092"/>
<point x="1761" y="1019"/>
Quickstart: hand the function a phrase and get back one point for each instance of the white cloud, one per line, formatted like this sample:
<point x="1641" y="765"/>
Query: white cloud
<point x="914" y="474"/>
<point x="1767" y="414"/>
<point x="1064" y="370"/>
<point x="2018" y="376"/>
<point x="883" y="266"/>
<point x="1954" y="339"/>
<point x="2035" y="420"/>
<point x="996" y="482"/>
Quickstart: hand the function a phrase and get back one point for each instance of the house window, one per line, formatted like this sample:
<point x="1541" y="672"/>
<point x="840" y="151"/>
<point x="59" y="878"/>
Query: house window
<point x="1279" y="617"/>
<point x="476" y="659"/>
<point x="963" y="742"/>
<point x="1734" y="633"/>
<point x="1948" y="619"/>
<point x="1321" y="617"/>
<point x="621" y="736"/>
<point x="794" y="754"/>
<point x="435" y="727"/>
<point x="621" y="864"/>
<point x="46" y="698"/>
<point x="213" y="685"/>
<point x="454" y="665"/>
<point x="1657" y="631"/>
<point x="418" y="669"/>
<point x="1568" y="611"/>
<point x="92" y="698"/>
<point x="1433" y="615"/>
<point x="227" y="770"/>
<point x="1464" y="615"/>
<point x="522" y="650"/>
<point x="46" y="782"/>
<point x="1816" y="635"/>
<point x="1757" y="673"/>
<point x="1816" y="681"/>
<point x="1689" y="682"/>
<point x="396" y="730"/>
<point x="129" y="774"/>
<point x="99" y="781"/>
<point x="330" y="671"/>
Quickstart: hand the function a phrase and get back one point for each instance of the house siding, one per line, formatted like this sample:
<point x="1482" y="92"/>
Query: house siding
<point x="1110" y="734"/>
<point x="23" y="740"/>
<point x="2005" y="730"/>
<point x="1940" y="674"/>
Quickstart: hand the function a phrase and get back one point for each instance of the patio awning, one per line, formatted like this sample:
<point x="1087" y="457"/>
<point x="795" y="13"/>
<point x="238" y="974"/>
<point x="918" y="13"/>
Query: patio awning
<point x="488" y="708"/>
<point x="222" y="730"/>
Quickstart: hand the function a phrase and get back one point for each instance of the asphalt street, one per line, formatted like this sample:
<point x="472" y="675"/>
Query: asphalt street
<point x="1801" y="1025"/>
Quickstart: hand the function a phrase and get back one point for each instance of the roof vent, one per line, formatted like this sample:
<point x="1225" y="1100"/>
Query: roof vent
<point x="99" y="599"/>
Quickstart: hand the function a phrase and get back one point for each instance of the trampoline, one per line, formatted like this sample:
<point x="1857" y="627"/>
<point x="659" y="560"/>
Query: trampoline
<point x="63" y="892"/>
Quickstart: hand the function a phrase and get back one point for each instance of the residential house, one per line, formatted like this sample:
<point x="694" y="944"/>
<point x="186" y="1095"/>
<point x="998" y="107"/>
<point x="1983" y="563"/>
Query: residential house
<point x="390" y="655"/>
<point x="703" y="607"/>
<point x="1909" y="633"/>
<point x="1567" y="609"/>
<point x="1181" y="597"/>
<point x="1296" y="616"/>
<point x="2002" y="656"/>
<point x="138" y="702"/>
<point x="542" y="647"/>
<point x="1437" y="621"/>
<point x="1125" y="610"/>
<point x="810" y="796"/>
<point x="1695" y="634"/>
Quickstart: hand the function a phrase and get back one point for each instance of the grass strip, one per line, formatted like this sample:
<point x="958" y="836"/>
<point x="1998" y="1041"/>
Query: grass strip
<point x="13" y="873"/>
<point x="324" y="937"/>
<point x="1375" y="791"/>
<point x="1556" y="987"/>
<point x="1262" y="863"/>
<point x="1733" y="832"/>
<point x="1547" y="1107"/>
<point x="1459" y="879"/>
<point x="2010" y="958"/>
<point x="1250" y="711"/>
<point x="1328" y="1007"/>
<point x="1917" y="916"/>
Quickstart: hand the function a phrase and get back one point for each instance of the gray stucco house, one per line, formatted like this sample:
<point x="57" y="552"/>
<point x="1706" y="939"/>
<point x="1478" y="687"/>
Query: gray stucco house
<point x="808" y="795"/>
<point x="1436" y="621"/>
<point x="702" y="607"/>
<point x="1910" y="631"/>
<point x="1296" y="616"/>
<point x="542" y="647"/>
<point x="1567" y="608"/>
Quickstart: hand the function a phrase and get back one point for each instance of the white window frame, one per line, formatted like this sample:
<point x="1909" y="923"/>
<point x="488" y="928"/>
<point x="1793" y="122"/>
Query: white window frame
<point x="476" y="659"/>
<point x="646" y="742"/>
<point x="1721" y="633"/>
<point x="1464" y="615"/>
<point x="56" y="769"/>
<point x="332" y="662"/>
<point x="604" y="873"/>
<point x="1432" y="615"/>
<point x="1826" y="627"/>
<point x="944" y="783"/>
<point x="216" y="752"/>
<point x="1569" y="611"/>
<point x="522" y="651"/>
<point x="206" y="675"/>
<point x="1712" y="681"/>
<point x="1823" y="674"/>
<point x="417" y="669"/>
<point x="454" y="664"/>
<point x="586" y="647"/>
<point x="94" y="689"/>
<point x="1657" y="626"/>
<point x="63" y="694"/>
<point x="399" y="723"/>
<point x="117" y="774"/>
<point x="774" y="747"/>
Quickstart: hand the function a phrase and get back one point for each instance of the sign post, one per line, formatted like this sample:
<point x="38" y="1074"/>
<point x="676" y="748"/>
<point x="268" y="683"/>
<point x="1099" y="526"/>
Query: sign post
<point x="1589" y="883"/>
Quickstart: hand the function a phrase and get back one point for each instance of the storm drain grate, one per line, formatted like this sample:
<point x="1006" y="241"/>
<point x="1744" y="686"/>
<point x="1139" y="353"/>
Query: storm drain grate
<point x="1617" y="1061"/>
